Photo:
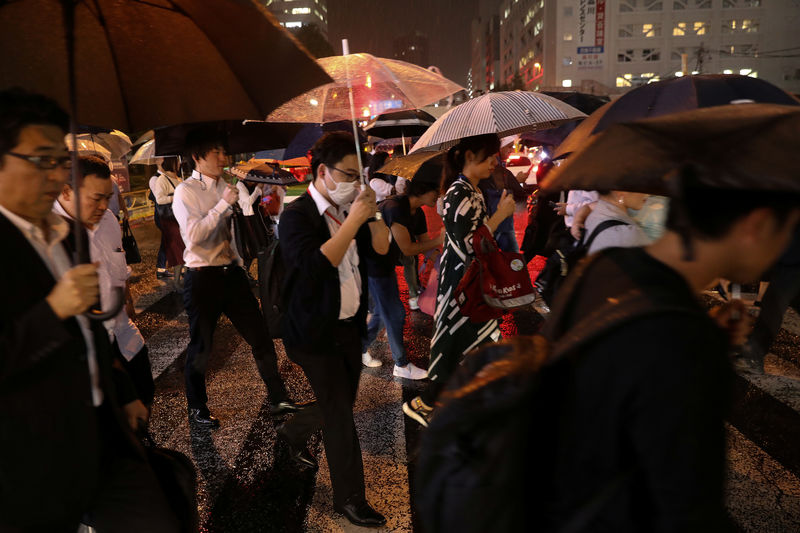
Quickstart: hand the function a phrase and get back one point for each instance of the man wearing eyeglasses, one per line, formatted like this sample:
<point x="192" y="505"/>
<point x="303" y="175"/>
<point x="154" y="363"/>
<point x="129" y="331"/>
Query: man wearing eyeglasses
<point x="325" y="235"/>
<point x="215" y="281"/>
<point x="66" y="452"/>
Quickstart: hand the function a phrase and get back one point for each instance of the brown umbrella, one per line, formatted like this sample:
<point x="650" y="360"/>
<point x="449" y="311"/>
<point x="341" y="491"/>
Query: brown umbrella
<point x="140" y="64"/>
<point x="415" y="165"/>
<point x="745" y="146"/>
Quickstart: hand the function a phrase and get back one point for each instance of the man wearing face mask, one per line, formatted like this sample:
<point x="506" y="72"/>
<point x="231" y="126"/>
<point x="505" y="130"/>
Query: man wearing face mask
<point x="325" y="235"/>
<point x="215" y="281"/>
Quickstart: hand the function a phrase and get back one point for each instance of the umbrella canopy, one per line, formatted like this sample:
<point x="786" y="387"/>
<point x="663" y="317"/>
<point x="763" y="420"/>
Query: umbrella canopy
<point x="674" y="95"/>
<point x="310" y="134"/>
<point x="420" y="165"/>
<point x="263" y="171"/>
<point x="378" y="85"/>
<point x="140" y="64"/>
<point x="87" y="146"/>
<point x="746" y="146"/>
<point x="504" y="113"/>
<point x="146" y="154"/>
<point x="410" y="123"/>
<point x="588" y="103"/>
<point x="238" y="136"/>
<point x="390" y="144"/>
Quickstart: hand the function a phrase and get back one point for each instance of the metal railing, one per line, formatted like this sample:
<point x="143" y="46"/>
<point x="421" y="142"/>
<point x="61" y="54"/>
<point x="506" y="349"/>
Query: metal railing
<point x="139" y="205"/>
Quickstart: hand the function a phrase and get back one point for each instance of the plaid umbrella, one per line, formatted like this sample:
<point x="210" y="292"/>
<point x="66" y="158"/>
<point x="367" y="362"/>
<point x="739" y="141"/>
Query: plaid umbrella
<point x="503" y="113"/>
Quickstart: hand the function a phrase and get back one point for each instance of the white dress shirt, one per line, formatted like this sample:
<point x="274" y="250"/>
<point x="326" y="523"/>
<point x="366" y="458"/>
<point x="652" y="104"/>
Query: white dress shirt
<point x="575" y="200"/>
<point x="246" y="198"/>
<point x="383" y="189"/>
<point x="105" y="247"/>
<point x="204" y="219"/>
<point x="55" y="258"/>
<point x="349" y="275"/>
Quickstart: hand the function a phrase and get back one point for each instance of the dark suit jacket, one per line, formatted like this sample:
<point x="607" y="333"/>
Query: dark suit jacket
<point x="50" y="432"/>
<point x="313" y="291"/>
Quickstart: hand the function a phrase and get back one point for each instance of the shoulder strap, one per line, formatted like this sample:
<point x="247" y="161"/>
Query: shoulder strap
<point x="601" y="228"/>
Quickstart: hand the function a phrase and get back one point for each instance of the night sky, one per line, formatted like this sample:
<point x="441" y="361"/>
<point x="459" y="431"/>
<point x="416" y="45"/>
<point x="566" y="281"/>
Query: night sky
<point x="371" y="25"/>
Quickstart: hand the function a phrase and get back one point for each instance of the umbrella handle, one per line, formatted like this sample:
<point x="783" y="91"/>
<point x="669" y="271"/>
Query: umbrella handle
<point x="100" y="315"/>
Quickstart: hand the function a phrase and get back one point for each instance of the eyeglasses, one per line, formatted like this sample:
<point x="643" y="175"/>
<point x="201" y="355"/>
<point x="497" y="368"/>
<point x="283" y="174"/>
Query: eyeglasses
<point x="351" y="176"/>
<point x="45" y="162"/>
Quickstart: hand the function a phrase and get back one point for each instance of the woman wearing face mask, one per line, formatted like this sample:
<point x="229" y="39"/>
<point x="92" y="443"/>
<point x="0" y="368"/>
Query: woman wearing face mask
<point x="470" y="161"/>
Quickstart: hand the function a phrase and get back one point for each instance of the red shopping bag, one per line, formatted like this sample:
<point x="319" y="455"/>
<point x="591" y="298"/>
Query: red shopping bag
<point x="495" y="281"/>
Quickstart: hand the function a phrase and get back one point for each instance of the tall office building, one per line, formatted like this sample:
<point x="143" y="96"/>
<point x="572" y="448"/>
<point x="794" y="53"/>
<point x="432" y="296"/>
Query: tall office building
<point x="606" y="46"/>
<point x="413" y="48"/>
<point x="297" y="13"/>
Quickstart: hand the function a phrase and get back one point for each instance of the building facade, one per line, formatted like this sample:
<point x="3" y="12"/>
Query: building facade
<point x="412" y="48"/>
<point x="608" y="46"/>
<point x="298" y="13"/>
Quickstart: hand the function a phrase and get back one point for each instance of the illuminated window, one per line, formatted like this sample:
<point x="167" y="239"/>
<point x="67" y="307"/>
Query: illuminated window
<point x="294" y="24"/>
<point x="566" y="83"/>
<point x="700" y="28"/>
<point x="622" y="82"/>
<point x="301" y="11"/>
<point x="568" y="36"/>
<point x="679" y="29"/>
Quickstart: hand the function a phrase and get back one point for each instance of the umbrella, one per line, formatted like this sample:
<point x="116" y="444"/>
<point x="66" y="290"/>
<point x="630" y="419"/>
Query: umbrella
<point x="86" y="146"/>
<point x="146" y="154"/>
<point x="310" y="134"/>
<point x="263" y="171"/>
<point x="378" y="85"/>
<point x="503" y="113"/>
<point x="677" y="94"/>
<point x="140" y="64"/>
<point x="745" y="146"/>
<point x="587" y="103"/>
<point x="408" y="123"/>
<point x="389" y="144"/>
<point x="239" y="136"/>
<point x="420" y="165"/>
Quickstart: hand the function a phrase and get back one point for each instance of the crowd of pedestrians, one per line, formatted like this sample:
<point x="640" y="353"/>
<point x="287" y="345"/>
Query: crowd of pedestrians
<point x="641" y="413"/>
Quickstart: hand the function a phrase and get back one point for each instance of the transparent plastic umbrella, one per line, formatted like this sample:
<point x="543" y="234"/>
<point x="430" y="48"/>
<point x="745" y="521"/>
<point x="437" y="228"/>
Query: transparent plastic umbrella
<point x="146" y="154"/>
<point x="379" y="85"/>
<point x="87" y="146"/>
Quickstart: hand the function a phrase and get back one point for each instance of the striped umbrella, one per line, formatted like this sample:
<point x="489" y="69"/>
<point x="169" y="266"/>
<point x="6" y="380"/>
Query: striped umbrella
<point x="504" y="113"/>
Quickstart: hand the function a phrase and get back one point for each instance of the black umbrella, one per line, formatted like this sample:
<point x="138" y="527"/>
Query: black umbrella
<point x="137" y="64"/>
<point x="588" y="103"/>
<point x="746" y="146"/>
<point x="409" y="123"/>
<point x="238" y="136"/>
<point x="675" y="95"/>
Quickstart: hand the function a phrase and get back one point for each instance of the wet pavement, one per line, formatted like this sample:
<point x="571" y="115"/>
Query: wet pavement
<point x="247" y="484"/>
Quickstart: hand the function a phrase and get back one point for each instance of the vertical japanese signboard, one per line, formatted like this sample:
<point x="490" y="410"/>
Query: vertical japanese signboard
<point x="591" y="33"/>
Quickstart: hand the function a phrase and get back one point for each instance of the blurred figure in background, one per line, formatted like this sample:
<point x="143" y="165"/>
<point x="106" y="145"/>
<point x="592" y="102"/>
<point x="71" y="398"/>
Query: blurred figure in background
<point x="171" y="241"/>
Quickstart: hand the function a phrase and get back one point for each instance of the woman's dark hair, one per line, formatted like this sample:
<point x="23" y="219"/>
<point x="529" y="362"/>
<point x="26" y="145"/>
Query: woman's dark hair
<point x="170" y="164"/>
<point x="481" y="145"/>
<point x="330" y="149"/>
<point x="709" y="212"/>
<point x="419" y="187"/>
<point x="20" y="108"/>
<point x="378" y="160"/>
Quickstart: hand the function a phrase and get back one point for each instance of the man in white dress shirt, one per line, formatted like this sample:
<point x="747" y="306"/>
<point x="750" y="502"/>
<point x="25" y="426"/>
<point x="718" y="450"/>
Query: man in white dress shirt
<point x="215" y="281"/>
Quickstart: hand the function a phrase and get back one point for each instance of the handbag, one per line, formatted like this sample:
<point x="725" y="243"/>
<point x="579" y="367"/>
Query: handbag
<point x="427" y="300"/>
<point x="132" y="255"/>
<point x="178" y="479"/>
<point x="495" y="281"/>
<point x="165" y="212"/>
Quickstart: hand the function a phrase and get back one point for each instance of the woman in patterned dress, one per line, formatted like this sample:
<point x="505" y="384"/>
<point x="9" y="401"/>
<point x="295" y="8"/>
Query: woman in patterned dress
<point x="470" y="161"/>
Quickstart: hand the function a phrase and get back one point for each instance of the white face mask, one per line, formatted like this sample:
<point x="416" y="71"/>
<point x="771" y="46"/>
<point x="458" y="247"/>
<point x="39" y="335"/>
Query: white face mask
<point x="344" y="193"/>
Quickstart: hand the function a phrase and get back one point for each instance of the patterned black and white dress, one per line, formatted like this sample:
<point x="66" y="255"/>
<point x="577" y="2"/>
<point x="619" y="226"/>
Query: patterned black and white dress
<point x="454" y="334"/>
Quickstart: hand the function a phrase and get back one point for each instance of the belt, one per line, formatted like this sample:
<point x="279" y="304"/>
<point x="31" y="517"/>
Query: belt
<point x="220" y="268"/>
<point x="350" y="320"/>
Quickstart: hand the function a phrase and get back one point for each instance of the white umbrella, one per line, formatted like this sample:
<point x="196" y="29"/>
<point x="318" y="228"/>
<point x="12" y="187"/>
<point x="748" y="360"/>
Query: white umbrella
<point x="503" y="113"/>
<point x="146" y="154"/>
<point x="87" y="146"/>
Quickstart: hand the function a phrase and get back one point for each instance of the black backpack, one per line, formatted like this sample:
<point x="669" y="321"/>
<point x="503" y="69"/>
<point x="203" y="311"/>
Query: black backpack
<point x="484" y="461"/>
<point x="561" y="263"/>
<point x="271" y="285"/>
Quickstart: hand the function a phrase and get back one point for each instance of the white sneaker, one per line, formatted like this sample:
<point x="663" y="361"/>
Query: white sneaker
<point x="412" y="304"/>
<point x="410" y="371"/>
<point x="368" y="360"/>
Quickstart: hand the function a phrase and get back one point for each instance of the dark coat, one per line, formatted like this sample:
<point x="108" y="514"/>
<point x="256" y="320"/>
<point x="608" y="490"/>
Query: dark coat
<point x="314" y="298"/>
<point x="50" y="432"/>
<point x="645" y="406"/>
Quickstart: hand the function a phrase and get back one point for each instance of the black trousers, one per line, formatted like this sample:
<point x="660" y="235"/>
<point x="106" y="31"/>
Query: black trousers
<point x="333" y="374"/>
<point x="207" y="294"/>
<point x="140" y="372"/>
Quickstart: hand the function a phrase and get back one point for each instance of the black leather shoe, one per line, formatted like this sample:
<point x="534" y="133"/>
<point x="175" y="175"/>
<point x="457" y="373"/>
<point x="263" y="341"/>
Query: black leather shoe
<point x="287" y="407"/>
<point x="203" y="417"/>
<point x="161" y="274"/>
<point x="359" y="512"/>
<point x="300" y="456"/>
